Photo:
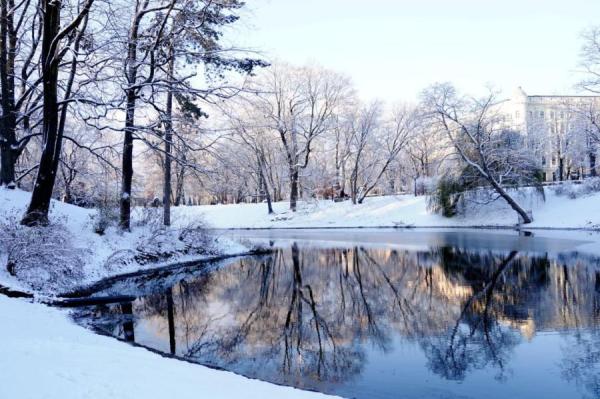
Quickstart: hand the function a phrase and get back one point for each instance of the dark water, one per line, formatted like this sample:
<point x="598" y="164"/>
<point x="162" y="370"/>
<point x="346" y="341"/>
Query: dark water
<point x="377" y="321"/>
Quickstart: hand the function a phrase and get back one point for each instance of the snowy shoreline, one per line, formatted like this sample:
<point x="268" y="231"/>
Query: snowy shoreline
<point x="403" y="211"/>
<point x="458" y="227"/>
<point x="42" y="340"/>
<point x="70" y="361"/>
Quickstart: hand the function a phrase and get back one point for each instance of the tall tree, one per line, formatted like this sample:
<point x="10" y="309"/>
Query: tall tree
<point x="53" y="123"/>
<point x="376" y="144"/>
<point x="299" y="105"/>
<point x="184" y="34"/>
<point x="20" y="31"/>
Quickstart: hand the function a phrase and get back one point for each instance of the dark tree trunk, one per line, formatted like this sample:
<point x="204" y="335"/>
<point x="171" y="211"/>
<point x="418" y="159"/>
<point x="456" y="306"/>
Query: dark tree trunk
<point x="53" y="125"/>
<point x="168" y="139"/>
<point x="293" y="189"/>
<point x="513" y="204"/>
<point x="267" y="193"/>
<point x="9" y="149"/>
<point x="561" y="168"/>
<point x="37" y="212"/>
<point x="127" y="158"/>
<point x="179" y="193"/>
<point x="127" y="164"/>
<point x="593" y="172"/>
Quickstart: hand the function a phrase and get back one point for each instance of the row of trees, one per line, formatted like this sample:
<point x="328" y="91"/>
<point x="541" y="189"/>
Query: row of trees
<point x="82" y="81"/>
<point x="115" y="68"/>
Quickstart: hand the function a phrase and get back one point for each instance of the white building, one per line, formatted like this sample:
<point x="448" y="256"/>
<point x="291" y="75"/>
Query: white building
<point x="560" y="129"/>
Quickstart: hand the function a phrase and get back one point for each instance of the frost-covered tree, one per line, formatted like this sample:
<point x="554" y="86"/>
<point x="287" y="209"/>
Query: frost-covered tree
<point x="57" y="40"/>
<point x="299" y="105"/>
<point x="376" y="144"/>
<point x="491" y="155"/>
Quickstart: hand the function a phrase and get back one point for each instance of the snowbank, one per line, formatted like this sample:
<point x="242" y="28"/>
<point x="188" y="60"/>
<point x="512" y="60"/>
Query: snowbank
<point x="98" y="248"/>
<point x="403" y="210"/>
<point x="45" y="355"/>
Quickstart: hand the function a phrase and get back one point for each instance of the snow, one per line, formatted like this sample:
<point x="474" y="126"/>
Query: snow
<point x="80" y="225"/>
<point x="402" y="210"/>
<point x="68" y="361"/>
<point x="556" y="212"/>
<point x="45" y="355"/>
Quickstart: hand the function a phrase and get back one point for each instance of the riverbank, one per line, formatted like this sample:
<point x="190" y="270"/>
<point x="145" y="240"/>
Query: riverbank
<point x="68" y="361"/>
<point x="79" y="256"/>
<point x="46" y="355"/>
<point x="555" y="212"/>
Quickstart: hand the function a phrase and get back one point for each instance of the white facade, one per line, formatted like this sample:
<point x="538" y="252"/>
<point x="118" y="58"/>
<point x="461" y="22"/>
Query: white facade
<point x="558" y="128"/>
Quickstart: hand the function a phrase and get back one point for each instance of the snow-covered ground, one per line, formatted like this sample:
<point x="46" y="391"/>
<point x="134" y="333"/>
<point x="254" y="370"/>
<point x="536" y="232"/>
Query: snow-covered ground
<point x="71" y="362"/>
<point x="98" y="248"/>
<point x="46" y="356"/>
<point x="402" y="210"/>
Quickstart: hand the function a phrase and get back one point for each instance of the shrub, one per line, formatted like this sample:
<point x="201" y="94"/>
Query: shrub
<point x="446" y="196"/>
<point x="106" y="216"/>
<point x="577" y="188"/>
<point x="42" y="257"/>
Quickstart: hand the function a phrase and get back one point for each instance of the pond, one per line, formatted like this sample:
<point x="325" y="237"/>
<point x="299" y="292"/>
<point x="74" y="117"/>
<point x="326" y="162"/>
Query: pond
<point x="381" y="314"/>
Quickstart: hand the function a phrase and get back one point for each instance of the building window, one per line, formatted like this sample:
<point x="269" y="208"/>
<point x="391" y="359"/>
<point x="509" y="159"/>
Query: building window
<point x="543" y="161"/>
<point x="551" y="114"/>
<point x="541" y="114"/>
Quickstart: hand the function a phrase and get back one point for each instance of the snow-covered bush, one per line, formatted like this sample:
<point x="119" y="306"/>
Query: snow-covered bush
<point x="576" y="189"/>
<point x="43" y="257"/>
<point x="159" y="243"/>
<point x="148" y="217"/>
<point x="107" y="215"/>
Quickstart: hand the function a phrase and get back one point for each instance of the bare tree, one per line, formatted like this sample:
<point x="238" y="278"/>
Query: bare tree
<point x="473" y="126"/>
<point x="299" y="105"/>
<point x="20" y="33"/>
<point x="376" y="144"/>
<point x="54" y="114"/>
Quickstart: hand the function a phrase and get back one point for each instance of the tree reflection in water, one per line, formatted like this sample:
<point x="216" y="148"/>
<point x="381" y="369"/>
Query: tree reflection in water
<point x="308" y="317"/>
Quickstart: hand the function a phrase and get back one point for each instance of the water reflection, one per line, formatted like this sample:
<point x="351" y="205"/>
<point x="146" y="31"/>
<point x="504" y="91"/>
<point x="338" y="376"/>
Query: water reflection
<point x="314" y="318"/>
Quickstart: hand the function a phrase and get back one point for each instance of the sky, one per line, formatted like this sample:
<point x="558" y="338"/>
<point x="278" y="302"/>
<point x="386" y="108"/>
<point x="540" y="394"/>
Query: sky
<point x="393" y="49"/>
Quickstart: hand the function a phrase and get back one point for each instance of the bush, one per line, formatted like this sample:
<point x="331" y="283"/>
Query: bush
<point x="107" y="215"/>
<point x="148" y="217"/>
<point x="446" y="196"/>
<point x="577" y="188"/>
<point x="42" y="257"/>
<point x="162" y="243"/>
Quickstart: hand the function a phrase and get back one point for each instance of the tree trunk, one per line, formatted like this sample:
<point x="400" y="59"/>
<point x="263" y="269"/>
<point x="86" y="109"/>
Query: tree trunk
<point x="127" y="163"/>
<point x="513" y="204"/>
<point x="264" y="184"/>
<point x="593" y="172"/>
<point x="179" y="193"/>
<point x="561" y="168"/>
<point x="8" y="140"/>
<point x="293" y="189"/>
<point x="8" y="160"/>
<point x="127" y="158"/>
<point x="37" y="212"/>
<point x="168" y="140"/>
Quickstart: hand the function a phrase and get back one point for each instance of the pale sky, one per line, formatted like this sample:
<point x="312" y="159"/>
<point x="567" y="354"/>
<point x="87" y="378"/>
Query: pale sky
<point x="392" y="49"/>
